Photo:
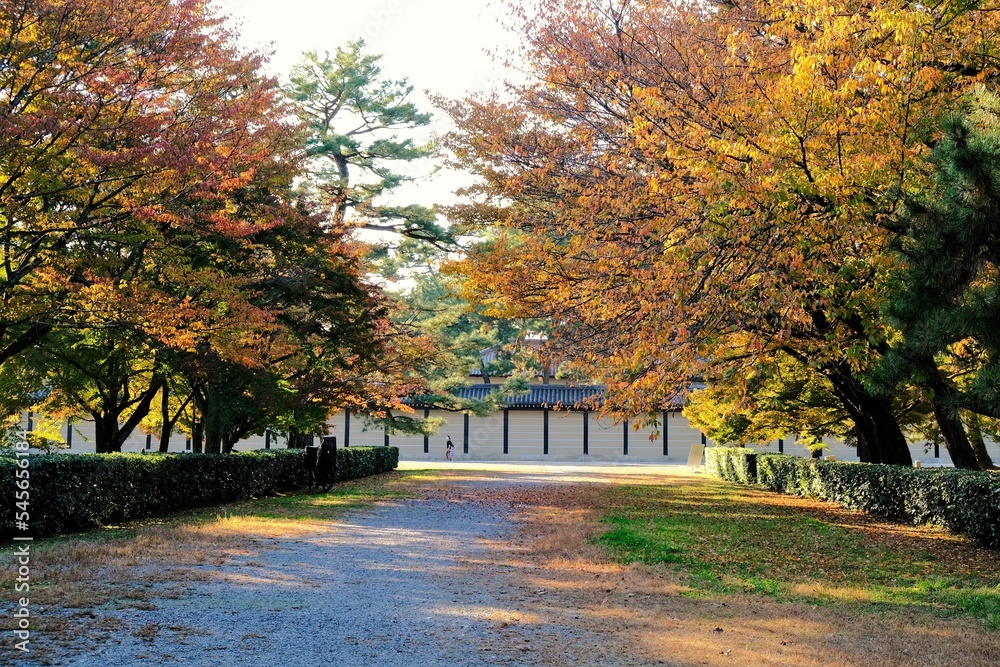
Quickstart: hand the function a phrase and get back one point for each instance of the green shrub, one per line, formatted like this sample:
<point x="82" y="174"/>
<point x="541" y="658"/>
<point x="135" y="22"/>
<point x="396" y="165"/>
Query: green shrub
<point x="358" y="462"/>
<point x="779" y="473"/>
<point x="737" y="464"/>
<point x="70" y="492"/>
<point x="962" y="501"/>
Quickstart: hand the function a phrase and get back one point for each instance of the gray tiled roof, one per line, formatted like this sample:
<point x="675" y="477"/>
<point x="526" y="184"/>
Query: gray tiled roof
<point x="543" y="396"/>
<point x="538" y="395"/>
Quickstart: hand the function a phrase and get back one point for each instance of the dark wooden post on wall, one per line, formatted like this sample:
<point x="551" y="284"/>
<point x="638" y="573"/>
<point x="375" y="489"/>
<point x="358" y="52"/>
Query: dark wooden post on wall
<point x="267" y="438"/>
<point x="465" y="435"/>
<point x="69" y="434"/>
<point x="545" y="432"/>
<point x="586" y="432"/>
<point x="385" y="435"/>
<point x="781" y="445"/>
<point x="625" y="440"/>
<point x="427" y="440"/>
<point x="347" y="428"/>
<point x="506" y="431"/>
<point x="666" y="434"/>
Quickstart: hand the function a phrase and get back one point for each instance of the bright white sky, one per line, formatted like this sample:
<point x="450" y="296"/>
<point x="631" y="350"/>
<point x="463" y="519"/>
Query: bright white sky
<point x="439" y="45"/>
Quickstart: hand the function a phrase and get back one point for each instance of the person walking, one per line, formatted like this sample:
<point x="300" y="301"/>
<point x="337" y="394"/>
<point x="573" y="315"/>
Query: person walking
<point x="449" y="452"/>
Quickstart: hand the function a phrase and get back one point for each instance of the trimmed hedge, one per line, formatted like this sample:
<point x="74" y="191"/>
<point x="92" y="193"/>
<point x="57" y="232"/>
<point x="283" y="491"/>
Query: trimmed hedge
<point x="71" y="492"/>
<point x="962" y="501"/>
<point x="736" y="464"/>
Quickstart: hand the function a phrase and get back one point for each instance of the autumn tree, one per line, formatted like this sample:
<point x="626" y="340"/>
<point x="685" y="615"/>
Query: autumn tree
<point x="154" y="248"/>
<point x="331" y="347"/>
<point x="109" y="377"/>
<point x="153" y="295"/>
<point x="775" y="400"/>
<point x="695" y="187"/>
<point x="118" y="120"/>
<point x="781" y="398"/>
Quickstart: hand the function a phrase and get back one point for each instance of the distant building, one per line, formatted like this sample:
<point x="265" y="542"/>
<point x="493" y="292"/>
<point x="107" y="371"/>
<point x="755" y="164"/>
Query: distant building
<point x="547" y="423"/>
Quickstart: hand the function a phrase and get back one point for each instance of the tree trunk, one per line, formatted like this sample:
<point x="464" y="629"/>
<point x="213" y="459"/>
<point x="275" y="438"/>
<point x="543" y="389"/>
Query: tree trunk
<point x="109" y="435"/>
<point x="211" y="424"/>
<point x="342" y="191"/>
<point x="213" y="440"/>
<point x="166" y="424"/>
<point x="105" y="429"/>
<point x="170" y="422"/>
<point x="237" y="432"/>
<point x="213" y="419"/>
<point x="864" y="451"/>
<point x="880" y="440"/>
<point x="975" y="432"/>
<point x="955" y="438"/>
<point x="197" y="439"/>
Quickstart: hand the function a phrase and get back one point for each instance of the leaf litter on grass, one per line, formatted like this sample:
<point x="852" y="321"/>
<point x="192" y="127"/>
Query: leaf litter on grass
<point x="724" y="539"/>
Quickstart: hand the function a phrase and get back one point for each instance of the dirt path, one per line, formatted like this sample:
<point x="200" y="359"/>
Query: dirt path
<point x="413" y="582"/>
<point x="490" y="565"/>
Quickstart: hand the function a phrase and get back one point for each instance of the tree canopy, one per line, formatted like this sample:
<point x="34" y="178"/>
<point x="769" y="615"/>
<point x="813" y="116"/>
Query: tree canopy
<point x="696" y="188"/>
<point x="154" y="250"/>
<point x="360" y="144"/>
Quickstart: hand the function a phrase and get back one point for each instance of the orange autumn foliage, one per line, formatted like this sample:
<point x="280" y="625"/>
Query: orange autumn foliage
<point x="686" y="187"/>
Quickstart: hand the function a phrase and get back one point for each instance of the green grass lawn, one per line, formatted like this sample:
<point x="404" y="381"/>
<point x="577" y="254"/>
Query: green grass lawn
<point x="721" y="539"/>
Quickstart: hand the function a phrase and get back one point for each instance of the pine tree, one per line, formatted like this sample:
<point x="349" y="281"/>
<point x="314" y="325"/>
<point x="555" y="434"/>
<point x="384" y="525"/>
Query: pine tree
<point x="361" y="128"/>
<point x="944" y="301"/>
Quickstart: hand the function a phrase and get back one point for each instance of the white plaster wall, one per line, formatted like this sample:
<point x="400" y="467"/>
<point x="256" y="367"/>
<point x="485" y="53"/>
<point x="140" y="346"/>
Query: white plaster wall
<point x="453" y="426"/>
<point x="81" y="437"/>
<point x="565" y="436"/>
<point x="680" y="437"/>
<point x="486" y="438"/>
<point x="362" y="434"/>
<point x="525" y="439"/>
<point x="606" y="439"/>
<point x="644" y="444"/>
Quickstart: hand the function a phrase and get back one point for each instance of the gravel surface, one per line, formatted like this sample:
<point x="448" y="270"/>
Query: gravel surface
<point x="404" y="583"/>
<point x="489" y="564"/>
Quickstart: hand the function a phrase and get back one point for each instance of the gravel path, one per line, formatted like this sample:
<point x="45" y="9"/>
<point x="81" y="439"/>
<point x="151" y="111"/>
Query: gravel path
<point x="399" y="584"/>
